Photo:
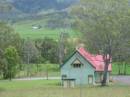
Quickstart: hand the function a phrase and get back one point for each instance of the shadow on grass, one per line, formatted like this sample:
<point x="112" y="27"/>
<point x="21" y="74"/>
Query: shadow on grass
<point x="54" y="84"/>
<point x="2" y="89"/>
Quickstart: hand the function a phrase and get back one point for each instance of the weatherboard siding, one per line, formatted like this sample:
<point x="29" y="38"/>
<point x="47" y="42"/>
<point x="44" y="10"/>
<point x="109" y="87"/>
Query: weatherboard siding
<point x="99" y="77"/>
<point x="79" y="74"/>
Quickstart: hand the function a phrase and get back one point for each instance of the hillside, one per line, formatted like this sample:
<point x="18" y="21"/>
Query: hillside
<point x="38" y="18"/>
<point x="32" y="6"/>
<point x="8" y="11"/>
<point x="13" y="10"/>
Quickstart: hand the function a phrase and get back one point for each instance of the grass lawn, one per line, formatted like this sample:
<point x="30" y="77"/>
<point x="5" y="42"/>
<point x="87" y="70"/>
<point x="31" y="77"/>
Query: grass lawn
<point x="52" y="88"/>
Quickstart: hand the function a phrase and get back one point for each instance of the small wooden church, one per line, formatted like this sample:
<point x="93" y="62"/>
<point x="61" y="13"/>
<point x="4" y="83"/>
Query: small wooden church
<point x="83" y="68"/>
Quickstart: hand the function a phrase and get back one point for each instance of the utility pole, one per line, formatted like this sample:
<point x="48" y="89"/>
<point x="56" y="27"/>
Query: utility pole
<point x="27" y="54"/>
<point x="62" y="41"/>
<point x="62" y="37"/>
<point x="61" y="48"/>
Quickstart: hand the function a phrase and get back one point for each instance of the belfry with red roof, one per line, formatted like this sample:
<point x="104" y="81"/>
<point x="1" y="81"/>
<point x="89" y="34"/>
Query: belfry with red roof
<point x="83" y="68"/>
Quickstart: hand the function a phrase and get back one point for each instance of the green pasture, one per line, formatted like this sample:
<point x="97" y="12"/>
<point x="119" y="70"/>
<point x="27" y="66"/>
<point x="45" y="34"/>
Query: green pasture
<point x="25" y="29"/>
<point x="39" y="70"/>
<point x="52" y="88"/>
<point x="115" y="68"/>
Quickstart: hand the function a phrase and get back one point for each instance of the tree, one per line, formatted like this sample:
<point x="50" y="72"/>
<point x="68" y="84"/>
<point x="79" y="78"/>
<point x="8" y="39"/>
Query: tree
<point x="8" y="37"/>
<point x="12" y="60"/>
<point x="30" y="54"/>
<point x="2" y="62"/>
<point x="5" y="7"/>
<point x="103" y="24"/>
<point x="49" y="50"/>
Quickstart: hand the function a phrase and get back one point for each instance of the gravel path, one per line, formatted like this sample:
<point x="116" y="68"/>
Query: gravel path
<point x="122" y="79"/>
<point x="38" y="78"/>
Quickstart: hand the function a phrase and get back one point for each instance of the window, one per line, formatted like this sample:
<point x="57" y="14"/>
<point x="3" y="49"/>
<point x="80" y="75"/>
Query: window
<point x="77" y="64"/>
<point x="90" y="79"/>
<point x="64" y="76"/>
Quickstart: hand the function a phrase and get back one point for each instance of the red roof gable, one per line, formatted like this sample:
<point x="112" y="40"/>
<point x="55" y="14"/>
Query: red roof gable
<point x="96" y="60"/>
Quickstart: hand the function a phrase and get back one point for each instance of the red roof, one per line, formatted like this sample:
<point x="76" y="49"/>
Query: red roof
<point x="96" y="60"/>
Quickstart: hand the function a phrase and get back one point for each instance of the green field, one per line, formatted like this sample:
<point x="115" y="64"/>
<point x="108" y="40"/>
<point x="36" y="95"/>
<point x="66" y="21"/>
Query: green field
<point x="24" y="28"/>
<point x="43" y="70"/>
<point x="52" y="88"/>
<point x="115" y="68"/>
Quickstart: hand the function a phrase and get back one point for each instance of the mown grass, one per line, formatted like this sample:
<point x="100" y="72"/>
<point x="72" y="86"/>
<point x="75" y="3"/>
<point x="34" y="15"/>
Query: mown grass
<point x="14" y="85"/>
<point x="52" y="88"/>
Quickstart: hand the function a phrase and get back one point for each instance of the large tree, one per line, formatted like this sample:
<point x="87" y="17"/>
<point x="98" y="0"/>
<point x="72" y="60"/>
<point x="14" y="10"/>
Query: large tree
<point x="105" y="25"/>
<point x="12" y="60"/>
<point x="30" y="54"/>
<point x="8" y="37"/>
<point x="49" y="50"/>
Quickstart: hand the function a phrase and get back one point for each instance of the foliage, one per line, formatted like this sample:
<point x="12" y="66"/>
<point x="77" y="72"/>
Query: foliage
<point x="7" y="38"/>
<point x="12" y="60"/>
<point x="30" y="52"/>
<point x="5" y="7"/>
<point x="69" y="49"/>
<point x="49" y="50"/>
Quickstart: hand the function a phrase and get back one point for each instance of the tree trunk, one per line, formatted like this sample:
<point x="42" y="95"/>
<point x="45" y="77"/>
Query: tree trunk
<point x="47" y="73"/>
<point x="125" y="69"/>
<point x="37" y="67"/>
<point x="122" y="69"/>
<point x="106" y="61"/>
<point x="105" y="75"/>
<point x="119" y="70"/>
<point x="9" y="74"/>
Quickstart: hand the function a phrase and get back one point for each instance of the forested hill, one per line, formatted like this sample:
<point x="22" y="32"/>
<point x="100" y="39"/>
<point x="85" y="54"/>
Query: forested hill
<point x="17" y="9"/>
<point x="37" y="5"/>
<point x="31" y="6"/>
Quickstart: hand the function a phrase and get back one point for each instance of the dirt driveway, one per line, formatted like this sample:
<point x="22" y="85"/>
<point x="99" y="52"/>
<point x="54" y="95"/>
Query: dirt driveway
<point x="122" y="79"/>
